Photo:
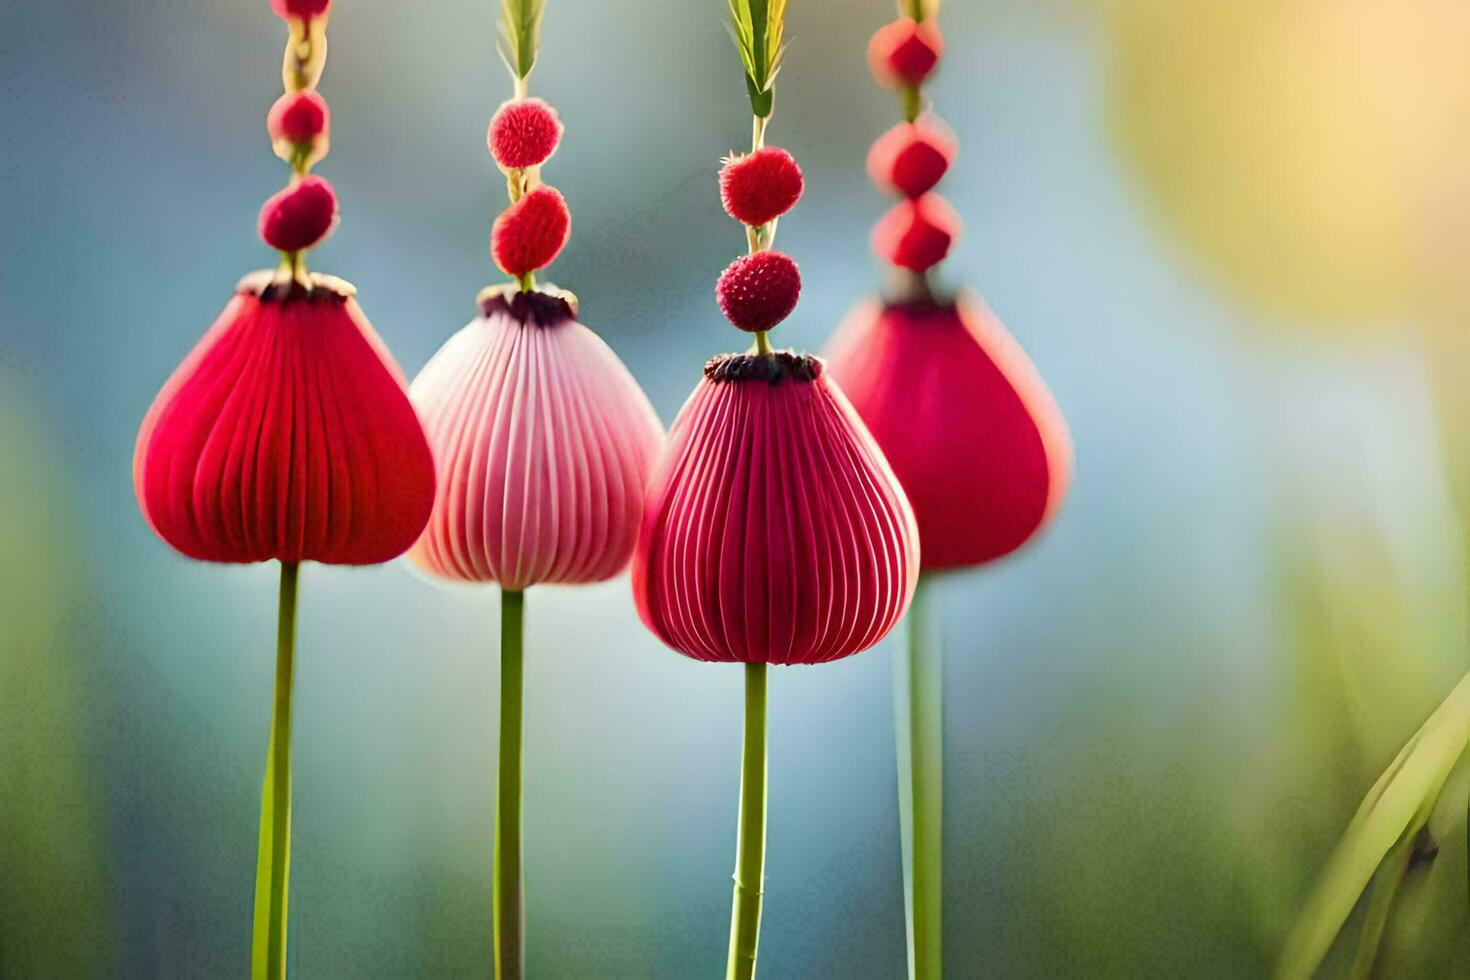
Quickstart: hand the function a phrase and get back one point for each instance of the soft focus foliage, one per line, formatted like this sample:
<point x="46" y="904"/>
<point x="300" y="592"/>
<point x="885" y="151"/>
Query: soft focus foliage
<point x="1163" y="714"/>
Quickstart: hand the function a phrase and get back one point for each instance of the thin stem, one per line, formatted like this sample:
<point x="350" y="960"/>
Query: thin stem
<point x="762" y="343"/>
<point x="918" y="709"/>
<point x="508" y="904"/>
<point x="1380" y="904"/>
<point x="750" y="849"/>
<point x="912" y="102"/>
<point x="915" y="9"/>
<point x="273" y="858"/>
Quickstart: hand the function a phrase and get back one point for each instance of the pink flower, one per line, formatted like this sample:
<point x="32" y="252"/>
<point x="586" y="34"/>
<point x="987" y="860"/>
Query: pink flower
<point x="774" y="532"/>
<point x="964" y="419"/>
<point x="286" y="433"/>
<point x="544" y="444"/>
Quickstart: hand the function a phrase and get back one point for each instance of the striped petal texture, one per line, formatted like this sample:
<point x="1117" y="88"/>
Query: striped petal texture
<point x="775" y="532"/>
<point x="544" y="445"/>
<point x="964" y="419"/>
<point x="287" y="433"/>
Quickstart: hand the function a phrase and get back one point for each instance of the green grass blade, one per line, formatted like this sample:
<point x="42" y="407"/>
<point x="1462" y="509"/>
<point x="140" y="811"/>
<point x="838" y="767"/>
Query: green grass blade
<point x="1396" y="805"/>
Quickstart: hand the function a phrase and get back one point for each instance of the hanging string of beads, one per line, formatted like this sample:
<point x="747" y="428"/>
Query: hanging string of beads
<point x="303" y="213"/>
<point x="524" y="133"/>
<point x="910" y="159"/>
<point x="760" y="289"/>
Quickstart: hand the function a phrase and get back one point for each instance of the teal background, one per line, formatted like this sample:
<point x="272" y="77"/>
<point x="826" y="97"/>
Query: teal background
<point x="1160" y="715"/>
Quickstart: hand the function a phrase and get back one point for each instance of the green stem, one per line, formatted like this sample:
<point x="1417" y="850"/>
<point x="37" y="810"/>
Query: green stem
<point x="918" y="709"/>
<point x="1380" y="904"/>
<point x="273" y="859"/>
<point x="508" y="903"/>
<point x="912" y="102"/>
<point x="750" y="849"/>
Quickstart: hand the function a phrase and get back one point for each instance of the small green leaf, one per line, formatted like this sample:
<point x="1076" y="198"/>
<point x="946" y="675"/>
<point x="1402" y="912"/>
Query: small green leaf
<point x="758" y="29"/>
<point x="1398" y="804"/>
<point x="520" y="34"/>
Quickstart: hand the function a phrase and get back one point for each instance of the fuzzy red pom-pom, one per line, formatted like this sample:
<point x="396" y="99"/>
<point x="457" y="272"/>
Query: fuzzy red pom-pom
<point x="299" y="117"/>
<point x="523" y="133"/>
<point x="531" y="232"/>
<point x="299" y="216"/>
<point x="760" y="186"/>
<point x="756" y="292"/>
<point x="904" y="52"/>
<point x="917" y="234"/>
<point x="300" y="9"/>
<point x="911" y="158"/>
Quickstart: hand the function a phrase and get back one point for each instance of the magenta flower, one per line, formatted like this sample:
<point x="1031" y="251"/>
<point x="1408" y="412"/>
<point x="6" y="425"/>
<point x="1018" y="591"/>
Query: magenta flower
<point x="776" y="533"/>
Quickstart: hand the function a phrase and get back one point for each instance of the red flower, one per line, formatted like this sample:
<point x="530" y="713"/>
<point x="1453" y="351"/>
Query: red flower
<point x="544" y="444"/>
<point x="917" y="234"/>
<point x="299" y="215"/>
<point x="774" y="532"/>
<point x="530" y="233"/>
<point x="911" y="158"/>
<point x="760" y="186"/>
<point x="964" y="420"/>
<point x="903" y="52"/>
<point x="758" y="291"/>
<point x="523" y="133"/>
<point x="286" y="433"/>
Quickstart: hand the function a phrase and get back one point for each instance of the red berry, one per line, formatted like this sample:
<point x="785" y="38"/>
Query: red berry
<point x="917" y="234"/>
<point x="299" y="216"/>
<point x="911" y="157"/>
<point x="760" y="186"/>
<point x="904" y="52"/>
<point x="300" y="9"/>
<point x="531" y="232"/>
<point x="758" y="291"/>
<point x="298" y="118"/>
<point x="523" y="133"/>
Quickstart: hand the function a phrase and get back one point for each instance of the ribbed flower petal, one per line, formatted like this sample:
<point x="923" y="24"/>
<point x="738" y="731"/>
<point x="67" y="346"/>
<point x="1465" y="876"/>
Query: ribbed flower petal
<point x="287" y="433"/>
<point x="964" y="419"/>
<point x="774" y="531"/>
<point x="544" y="445"/>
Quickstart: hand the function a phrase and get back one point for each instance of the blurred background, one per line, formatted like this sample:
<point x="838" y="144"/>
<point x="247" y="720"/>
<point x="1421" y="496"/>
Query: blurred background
<point x="1232" y="234"/>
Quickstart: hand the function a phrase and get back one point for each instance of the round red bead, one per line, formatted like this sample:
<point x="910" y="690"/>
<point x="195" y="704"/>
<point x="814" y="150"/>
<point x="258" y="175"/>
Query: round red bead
<point x="758" y="291"/>
<point x="300" y="9"/>
<point x="911" y="158"/>
<point x="904" y="52"/>
<point x="760" y="186"/>
<point x="299" y="117"/>
<point x="917" y="234"/>
<point x="531" y="232"/>
<point x="523" y="133"/>
<point x="299" y="216"/>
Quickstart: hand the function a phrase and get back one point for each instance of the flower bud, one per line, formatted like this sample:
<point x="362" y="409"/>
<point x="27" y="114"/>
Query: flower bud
<point x="544" y="444"/>
<point x="299" y="216"/>
<point x="756" y="292"/>
<point x="904" y="52"/>
<point x="287" y="433"/>
<point x="760" y="186"/>
<point x="775" y="531"/>
<point x="530" y="233"/>
<point x="964" y="419"/>
<point x="911" y="158"/>
<point x="523" y="133"/>
<point x="917" y="234"/>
